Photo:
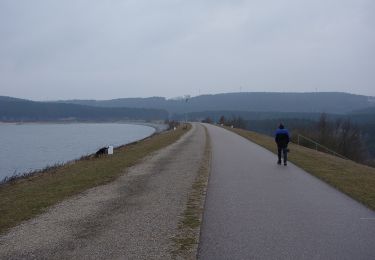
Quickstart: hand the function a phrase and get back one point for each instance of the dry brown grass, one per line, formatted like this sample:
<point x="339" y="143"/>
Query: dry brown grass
<point x="27" y="197"/>
<point x="353" y="179"/>
<point x="187" y="240"/>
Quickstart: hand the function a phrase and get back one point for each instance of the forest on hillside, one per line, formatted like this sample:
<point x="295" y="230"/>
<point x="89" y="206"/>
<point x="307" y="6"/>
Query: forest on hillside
<point x="317" y="102"/>
<point x="17" y="110"/>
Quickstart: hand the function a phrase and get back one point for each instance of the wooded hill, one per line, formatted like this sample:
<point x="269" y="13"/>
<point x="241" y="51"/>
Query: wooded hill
<point x="329" y="102"/>
<point x="20" y="110"/>
<point x="250" y="106"/>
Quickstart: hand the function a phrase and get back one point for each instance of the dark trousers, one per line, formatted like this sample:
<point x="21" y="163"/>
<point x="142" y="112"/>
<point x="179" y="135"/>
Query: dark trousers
<point x="284" y="150"/>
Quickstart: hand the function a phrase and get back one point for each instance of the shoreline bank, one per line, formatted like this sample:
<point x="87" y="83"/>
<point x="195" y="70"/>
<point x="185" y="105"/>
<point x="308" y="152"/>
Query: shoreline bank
<point x="16" y="171"/>
<point x="25" y="198"/>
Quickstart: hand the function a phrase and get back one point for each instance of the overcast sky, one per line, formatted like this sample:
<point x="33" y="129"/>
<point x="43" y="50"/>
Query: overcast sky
<point x="64" y="49"/>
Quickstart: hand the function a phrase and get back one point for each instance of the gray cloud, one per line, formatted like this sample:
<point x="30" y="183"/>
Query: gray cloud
<point x="106" y="49"/>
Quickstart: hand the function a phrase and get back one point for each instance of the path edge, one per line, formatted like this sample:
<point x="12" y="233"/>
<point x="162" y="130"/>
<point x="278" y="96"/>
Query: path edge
<point x="186" y="242"/>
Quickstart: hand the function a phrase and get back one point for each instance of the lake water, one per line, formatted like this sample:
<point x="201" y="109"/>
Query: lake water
<point x="28" y="147"/>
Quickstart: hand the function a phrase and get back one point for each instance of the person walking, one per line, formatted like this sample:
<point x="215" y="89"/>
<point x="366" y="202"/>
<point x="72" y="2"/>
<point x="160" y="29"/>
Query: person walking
<point x="282" y="139"/>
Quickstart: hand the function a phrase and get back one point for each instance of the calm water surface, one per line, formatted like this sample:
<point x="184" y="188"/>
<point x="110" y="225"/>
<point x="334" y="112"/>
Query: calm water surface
<point x="28" y="147"/>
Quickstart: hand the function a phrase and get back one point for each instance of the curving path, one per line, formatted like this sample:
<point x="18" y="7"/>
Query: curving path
<point x="256" y="209"/>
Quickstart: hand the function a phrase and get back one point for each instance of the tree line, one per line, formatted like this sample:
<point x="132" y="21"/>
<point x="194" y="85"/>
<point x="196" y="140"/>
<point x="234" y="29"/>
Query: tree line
<point x="13" y="110"/>
<point x="341" y="135"/>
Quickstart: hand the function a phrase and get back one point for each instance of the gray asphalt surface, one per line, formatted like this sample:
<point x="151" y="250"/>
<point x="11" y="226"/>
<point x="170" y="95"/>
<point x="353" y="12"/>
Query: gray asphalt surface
<point x="256" y="209"/>
<point x="134" y="217"/>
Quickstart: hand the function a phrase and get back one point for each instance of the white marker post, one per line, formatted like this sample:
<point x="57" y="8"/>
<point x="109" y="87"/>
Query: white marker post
<point x="110" y="149"/>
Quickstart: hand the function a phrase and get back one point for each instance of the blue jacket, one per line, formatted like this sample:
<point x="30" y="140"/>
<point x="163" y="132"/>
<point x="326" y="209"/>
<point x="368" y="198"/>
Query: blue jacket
<point x="282" y="137"/>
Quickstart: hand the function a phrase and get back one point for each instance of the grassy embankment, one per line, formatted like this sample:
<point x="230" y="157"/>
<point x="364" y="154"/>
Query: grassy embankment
<point x="25" y="198"/>
<point x="353" y="179"/>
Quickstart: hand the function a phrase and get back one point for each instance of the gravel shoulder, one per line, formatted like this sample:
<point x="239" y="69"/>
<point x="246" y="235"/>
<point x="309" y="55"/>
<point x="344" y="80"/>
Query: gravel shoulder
<point x="134" y="217"/>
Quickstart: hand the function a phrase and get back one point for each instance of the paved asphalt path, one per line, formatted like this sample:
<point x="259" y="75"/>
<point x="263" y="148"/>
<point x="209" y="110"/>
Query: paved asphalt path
<point x="256" y="209"/>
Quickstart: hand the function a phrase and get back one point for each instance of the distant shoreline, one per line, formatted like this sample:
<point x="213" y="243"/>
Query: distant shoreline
<point x="159" y="126"/>
<point x="79" y="121"/>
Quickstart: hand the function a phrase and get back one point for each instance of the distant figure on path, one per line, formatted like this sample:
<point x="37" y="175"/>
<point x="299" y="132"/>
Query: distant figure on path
<point x="282" y="140"/>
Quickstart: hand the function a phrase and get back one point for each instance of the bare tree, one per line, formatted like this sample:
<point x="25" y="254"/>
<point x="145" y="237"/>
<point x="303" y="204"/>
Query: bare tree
<point x="222" y="120"/>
